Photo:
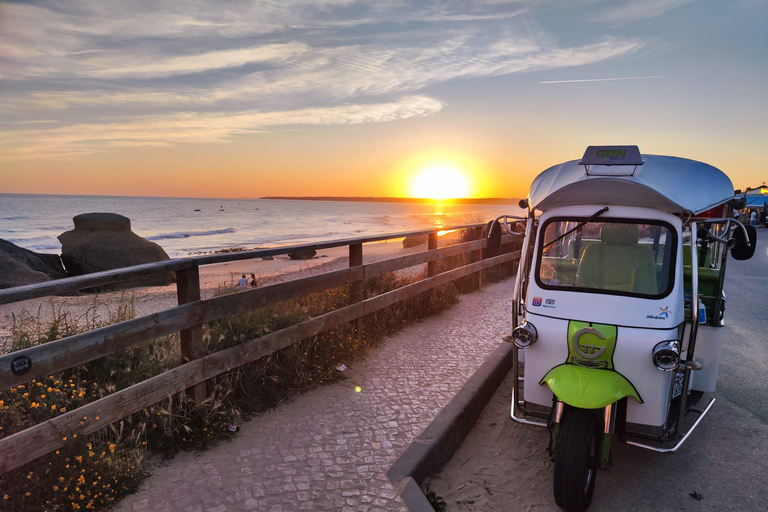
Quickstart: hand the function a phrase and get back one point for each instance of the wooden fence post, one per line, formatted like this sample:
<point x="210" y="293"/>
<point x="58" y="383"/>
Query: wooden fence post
<point x="478" y="255"/>
<point x="356" y="288"/>
<point x="188" y="290"/>
<point x="432" y="244"/>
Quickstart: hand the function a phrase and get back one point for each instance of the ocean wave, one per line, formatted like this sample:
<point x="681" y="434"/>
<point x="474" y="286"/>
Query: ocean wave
<point x="35" y="240"/>
<point x="44" y="247"/>
<point x="190" y="234"/>
<point x="16" y="218"/>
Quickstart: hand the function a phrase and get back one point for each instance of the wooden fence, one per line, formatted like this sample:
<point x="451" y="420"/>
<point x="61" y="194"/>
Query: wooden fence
<point x="188" y="318"/>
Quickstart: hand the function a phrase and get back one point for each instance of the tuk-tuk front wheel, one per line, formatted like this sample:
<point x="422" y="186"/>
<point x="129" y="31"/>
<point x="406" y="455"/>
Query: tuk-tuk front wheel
<point x="576" y="460"/>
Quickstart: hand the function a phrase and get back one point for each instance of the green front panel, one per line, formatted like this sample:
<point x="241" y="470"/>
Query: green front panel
<point x="588" y="379"/>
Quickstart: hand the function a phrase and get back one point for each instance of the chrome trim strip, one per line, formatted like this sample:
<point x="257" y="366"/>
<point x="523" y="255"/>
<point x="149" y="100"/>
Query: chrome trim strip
<point x="515" y="381"/>
<point x="682" y="439"/>
<point x="516" y="310"/>
<point x="691" y="348"/>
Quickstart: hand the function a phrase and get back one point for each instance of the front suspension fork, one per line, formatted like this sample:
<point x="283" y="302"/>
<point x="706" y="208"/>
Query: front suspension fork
<point x="604" y="440"/>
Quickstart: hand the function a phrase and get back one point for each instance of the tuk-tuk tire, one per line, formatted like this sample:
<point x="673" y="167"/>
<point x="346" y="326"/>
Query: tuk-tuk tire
<point x="576" y="460"/>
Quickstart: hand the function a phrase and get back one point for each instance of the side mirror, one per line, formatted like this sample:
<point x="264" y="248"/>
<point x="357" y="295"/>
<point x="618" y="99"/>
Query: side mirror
<point x="494" y="235"/>
<point x="741" y="251"/>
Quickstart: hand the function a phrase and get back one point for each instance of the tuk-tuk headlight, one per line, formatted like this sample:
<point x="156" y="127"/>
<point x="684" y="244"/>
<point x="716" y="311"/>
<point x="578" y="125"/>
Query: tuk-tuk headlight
<point x="525" y="335"/>
<point x="666" y="356"/>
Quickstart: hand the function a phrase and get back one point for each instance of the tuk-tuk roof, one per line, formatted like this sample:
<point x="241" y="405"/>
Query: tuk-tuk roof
<point x="667" y="183"/>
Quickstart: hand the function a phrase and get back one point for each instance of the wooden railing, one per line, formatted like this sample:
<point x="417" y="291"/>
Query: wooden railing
<point x="188" y="318"/>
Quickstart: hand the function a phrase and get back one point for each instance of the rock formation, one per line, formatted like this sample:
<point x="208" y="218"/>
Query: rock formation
<point x="414" y="241"/>
<point x="104" y="241"/>
<point x="304" y="254"/>
<point x="20" y="266"/>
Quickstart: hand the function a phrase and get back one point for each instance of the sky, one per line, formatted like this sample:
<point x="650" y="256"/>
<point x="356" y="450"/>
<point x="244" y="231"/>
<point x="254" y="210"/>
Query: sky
<point x="348" y="98"/>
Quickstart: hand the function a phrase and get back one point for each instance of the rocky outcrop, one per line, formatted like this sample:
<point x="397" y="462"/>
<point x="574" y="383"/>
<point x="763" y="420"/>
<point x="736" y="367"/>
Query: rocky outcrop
<point x="104" y="241"/>
<point x="414" y="241"/>
<point x="305" y="254"/>
<point x="20" y="266"/>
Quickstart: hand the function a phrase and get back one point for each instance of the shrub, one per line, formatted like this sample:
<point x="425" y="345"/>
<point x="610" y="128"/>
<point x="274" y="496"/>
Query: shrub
<point x="92" y="471"/>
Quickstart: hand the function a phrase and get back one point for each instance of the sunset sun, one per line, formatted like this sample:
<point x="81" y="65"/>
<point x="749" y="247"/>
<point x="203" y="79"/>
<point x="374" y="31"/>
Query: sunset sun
<point x="439" y="182"/>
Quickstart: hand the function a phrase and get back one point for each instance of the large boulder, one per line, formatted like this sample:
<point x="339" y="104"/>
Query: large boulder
<point x="104" y="241"/>
<point x="414" y="241"/>
<point x="303" y="254"/>
<point x="20" y="266"/>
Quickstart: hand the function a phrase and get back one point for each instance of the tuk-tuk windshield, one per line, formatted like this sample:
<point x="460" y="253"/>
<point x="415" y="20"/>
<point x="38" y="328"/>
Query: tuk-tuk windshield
<point x="619" y="257"/>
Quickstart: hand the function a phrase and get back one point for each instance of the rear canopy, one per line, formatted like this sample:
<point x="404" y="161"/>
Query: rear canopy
<point x="667" y="183"/>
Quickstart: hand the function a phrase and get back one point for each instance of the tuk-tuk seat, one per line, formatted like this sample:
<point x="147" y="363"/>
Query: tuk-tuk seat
<point x="618" y="262"/>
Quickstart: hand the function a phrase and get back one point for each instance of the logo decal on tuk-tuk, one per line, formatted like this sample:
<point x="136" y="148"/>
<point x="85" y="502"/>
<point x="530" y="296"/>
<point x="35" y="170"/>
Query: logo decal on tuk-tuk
<point x="591" y="345"/>
<point x="663" y="314"/>
<point x="587" y="379"/>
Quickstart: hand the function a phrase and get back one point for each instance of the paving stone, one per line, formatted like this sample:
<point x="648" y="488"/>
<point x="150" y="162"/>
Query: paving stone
<point x="329" y="449"/>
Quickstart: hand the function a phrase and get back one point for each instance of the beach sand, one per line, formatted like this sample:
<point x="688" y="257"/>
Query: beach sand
<point x="151" y="299"/>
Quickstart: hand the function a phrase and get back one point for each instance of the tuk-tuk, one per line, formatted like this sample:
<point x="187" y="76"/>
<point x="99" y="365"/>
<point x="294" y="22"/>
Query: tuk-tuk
<point x="619" y="305"/>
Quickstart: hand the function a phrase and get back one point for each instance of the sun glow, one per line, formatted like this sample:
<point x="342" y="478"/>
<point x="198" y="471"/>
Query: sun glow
<point x="439" y="182"/>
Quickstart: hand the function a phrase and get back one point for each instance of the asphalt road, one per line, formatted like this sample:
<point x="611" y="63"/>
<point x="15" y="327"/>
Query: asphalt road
<point x="725" y="460"/>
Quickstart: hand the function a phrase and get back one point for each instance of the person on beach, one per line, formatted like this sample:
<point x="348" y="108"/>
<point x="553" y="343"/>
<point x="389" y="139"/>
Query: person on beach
<point x="762" y="219"/>
<point x="242" y="282"/>
<point x="736" y="214"/>
<point x="753" y="218"/>
<point x="253" y="283"/>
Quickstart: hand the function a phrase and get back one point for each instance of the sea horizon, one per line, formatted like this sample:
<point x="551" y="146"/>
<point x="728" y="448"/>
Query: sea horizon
<point x="192" y="226"/>
<point x="363" y="199"/>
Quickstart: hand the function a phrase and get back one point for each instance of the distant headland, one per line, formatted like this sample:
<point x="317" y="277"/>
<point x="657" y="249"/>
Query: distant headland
<point x="461" y="200"/>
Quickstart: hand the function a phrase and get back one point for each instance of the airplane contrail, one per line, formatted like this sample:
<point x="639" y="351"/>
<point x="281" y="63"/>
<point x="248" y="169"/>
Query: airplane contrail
<point x="602" y="79"/>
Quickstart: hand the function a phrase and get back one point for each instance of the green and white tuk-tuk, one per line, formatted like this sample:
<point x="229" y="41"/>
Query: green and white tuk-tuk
<point x="619" y="305"/>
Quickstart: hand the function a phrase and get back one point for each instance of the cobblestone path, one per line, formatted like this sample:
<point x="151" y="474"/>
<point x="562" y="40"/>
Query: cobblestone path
<point x="329" y="449"/>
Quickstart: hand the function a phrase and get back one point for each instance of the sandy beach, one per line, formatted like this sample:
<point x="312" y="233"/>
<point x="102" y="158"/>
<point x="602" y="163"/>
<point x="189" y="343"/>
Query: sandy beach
<point x="151" y="299"/>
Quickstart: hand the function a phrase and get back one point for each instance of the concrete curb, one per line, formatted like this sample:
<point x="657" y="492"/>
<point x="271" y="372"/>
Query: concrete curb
<point x="430" y="451"/>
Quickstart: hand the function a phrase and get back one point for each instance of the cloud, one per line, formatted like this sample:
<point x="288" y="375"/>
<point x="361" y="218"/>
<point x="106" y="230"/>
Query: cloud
<point x="602" y="79"/>
<point x="201" y="62"/>
<point x="106" y="69"/>
<point x="346" y="72"/>
<point x="192" y="127"/>
<point x="637" y="10"/>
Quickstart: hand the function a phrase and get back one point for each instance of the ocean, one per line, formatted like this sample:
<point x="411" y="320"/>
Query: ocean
<point x="190" y="226"/>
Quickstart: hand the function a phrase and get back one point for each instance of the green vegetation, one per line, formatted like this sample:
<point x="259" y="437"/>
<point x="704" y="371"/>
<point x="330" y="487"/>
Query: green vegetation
<point x="93" y="471"/>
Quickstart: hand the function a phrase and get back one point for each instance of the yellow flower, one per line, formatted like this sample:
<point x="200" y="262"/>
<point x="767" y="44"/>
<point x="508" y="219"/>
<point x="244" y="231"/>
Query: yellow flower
<point x="53" y="407"/>
<point x="112" y="447"/>
<point x="79" y="458"/>
<point x="34" y="405"/>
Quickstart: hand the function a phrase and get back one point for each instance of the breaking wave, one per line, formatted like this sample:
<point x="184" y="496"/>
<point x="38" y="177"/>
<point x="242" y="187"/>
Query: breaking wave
<point x="190" y="234"/>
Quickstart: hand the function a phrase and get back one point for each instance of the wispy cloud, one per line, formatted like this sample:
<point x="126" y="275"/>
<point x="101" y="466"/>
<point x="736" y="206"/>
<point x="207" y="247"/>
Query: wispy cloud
<point x="116" y="73"/>
<point x="636" y="10"/>
<point x="602" y="79"/>
<point x="191" y="127"/>
<point x="197" y="63"/>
